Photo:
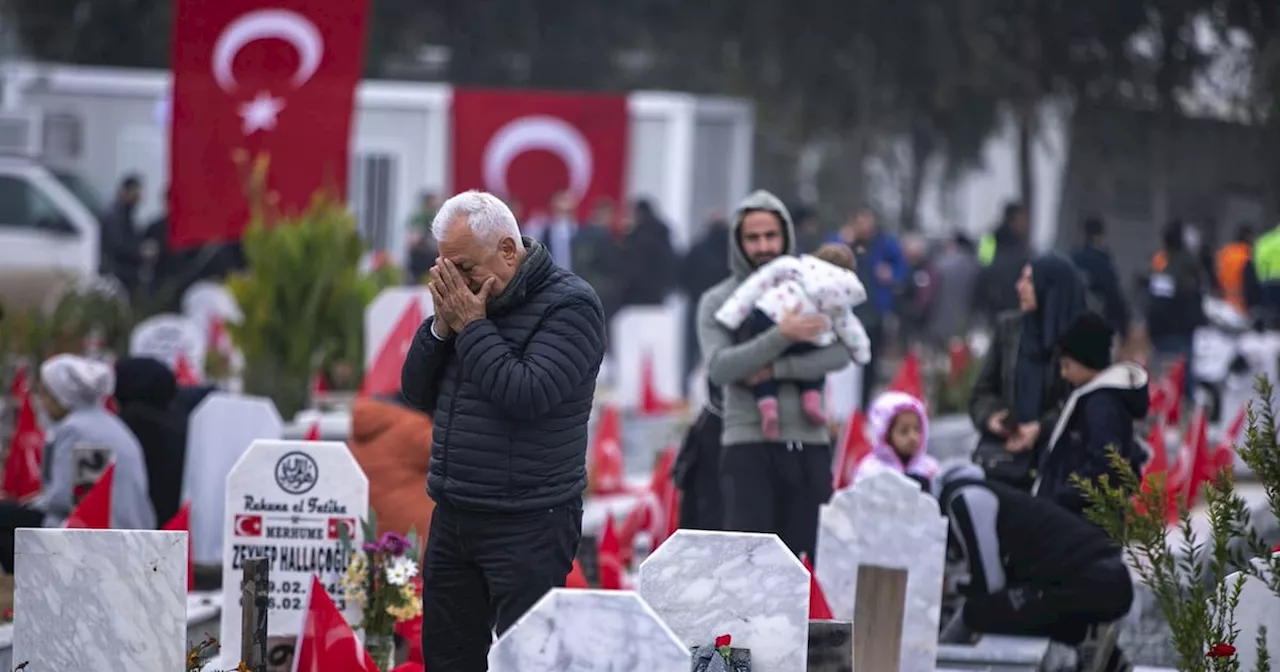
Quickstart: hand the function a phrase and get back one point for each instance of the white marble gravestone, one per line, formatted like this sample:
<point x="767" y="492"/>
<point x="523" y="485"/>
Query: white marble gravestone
<point x="165" y="337"/>
<point x="287" y="501"/>
<point x="589" y="630"/>
<point x="886" y="520"/>
<point x="1258" y="607"/>
<point x="748" y="586"/>
<point x="100" y="600"/>
<point x="219" y="432"/>
<point x="652" y="336"/>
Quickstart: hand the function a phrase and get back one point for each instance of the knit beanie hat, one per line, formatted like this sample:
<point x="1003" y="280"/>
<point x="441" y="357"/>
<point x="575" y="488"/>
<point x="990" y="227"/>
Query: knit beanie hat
<point x="77" y="382"/>
<point x="1088" y="341"/>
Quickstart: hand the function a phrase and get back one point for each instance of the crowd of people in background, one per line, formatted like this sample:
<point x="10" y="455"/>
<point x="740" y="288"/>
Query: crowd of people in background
<point x="1054" y="394"/>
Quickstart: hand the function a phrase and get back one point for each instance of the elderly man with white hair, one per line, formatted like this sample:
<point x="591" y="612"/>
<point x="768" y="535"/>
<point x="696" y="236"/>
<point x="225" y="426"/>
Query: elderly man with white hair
<point x="506" y="368"/>
<point x="82" y="438"/>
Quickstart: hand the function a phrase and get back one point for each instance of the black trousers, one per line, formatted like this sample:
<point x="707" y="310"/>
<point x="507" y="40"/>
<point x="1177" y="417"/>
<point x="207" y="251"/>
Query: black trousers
<point x="13" y="516"/>
<point x="776" y="487"/>
<point x="482" y="571"/>
<point x="1100" y="592"/>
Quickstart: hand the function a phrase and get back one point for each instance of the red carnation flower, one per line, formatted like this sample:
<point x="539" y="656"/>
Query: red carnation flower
<point x="723" y="640"/>
<point x="1221" y="651"/>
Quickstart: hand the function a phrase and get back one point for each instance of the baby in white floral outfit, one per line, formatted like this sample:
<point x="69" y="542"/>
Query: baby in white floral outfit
<point x="824" y="283"/>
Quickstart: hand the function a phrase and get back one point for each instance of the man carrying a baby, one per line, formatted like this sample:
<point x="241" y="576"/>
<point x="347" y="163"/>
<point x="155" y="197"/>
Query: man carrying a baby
<point x="770" y="333"/>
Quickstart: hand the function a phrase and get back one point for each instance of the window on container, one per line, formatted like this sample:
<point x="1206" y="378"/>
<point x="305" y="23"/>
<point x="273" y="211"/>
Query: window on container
<point x="371" y="192"/>
<point x="63" y="136"/>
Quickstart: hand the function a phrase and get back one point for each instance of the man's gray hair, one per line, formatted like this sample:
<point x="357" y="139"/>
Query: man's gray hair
<point x="487" y="216"/>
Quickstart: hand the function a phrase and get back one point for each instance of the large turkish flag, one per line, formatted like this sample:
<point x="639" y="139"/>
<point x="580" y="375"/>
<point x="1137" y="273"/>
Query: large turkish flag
<point x="259" y="81"/>
<point x="528" y="145"/>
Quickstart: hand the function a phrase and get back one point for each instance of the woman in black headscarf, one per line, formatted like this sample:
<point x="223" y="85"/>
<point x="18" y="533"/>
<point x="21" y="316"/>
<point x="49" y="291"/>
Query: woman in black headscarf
<point x="146" y="394"/>
<point x="1019" y="391"/>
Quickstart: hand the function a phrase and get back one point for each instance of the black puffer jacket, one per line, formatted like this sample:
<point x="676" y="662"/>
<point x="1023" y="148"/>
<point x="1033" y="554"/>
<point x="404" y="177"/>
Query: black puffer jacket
<point x="510" y="396"/>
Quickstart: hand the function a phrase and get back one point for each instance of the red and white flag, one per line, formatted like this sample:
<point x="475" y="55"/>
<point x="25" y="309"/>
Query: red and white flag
<point x="383" y="375"/>
<point x="26" y="453"/>
<point x="94" y="510"/>
<point x="259" y="80"/>
<point x="528" y="145"/>
<point x="327" y="643"/>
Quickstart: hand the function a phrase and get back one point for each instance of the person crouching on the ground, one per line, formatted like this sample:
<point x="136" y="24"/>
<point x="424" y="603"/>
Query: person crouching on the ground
<point x="507" y="370"/>
<point x="899" y="429"/>
<point x="822" y="283"/>
<point x="1034" y="568"/>
<point x="82" y="436"/>
<point x="1098" y="417"/>
<point x="772" y="485"/>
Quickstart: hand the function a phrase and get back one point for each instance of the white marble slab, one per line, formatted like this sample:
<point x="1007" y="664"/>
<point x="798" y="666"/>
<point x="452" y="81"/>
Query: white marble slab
<point x="1258" y="607"/>
<point x="998" y="649"/>
<point x="220" y="431"/>
<point x="587" y="630"/>
<point x="886" y="520"/>
<point x="749" y="586"/>
<point x="100" y="600"/>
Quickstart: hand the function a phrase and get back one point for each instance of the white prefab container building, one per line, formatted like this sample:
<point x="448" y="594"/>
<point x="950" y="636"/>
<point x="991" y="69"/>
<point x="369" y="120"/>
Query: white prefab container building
<point x="690" y="154"/>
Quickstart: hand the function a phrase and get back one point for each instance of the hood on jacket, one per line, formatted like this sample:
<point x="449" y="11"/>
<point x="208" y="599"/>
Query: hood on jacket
<point x="1129" y="380"/>
<point x="143" y="380"/>
<point x="760" y="199"/>
<point x="880" y="417"/>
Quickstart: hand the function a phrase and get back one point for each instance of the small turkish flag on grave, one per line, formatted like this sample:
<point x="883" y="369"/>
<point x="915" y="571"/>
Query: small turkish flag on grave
<point x="651" y="402"/>
<point x="26" y="451"/>
<point x="604" y="462"/>
<point x="319" y="386"/>
<point x="819" y="610"/>
<point x="853" y="447"/>
<point x="181" y="522"/>
<point x="1159" y="463"/>
<point x="327" y="643"/>
<point x="246" y="525"/>
<point x="94" y="511"/>
<point x="1175" y="379"/>
<point x="577" y="578"/>
<point x="383" y="376"/>
<point x="411" y="633"/>
<point x="1197" y="449"/>
<point x="909" y="379"/>
<point x="336" y="525"/>
<point x="185" y="372"/>
<point x="609" y="558"/>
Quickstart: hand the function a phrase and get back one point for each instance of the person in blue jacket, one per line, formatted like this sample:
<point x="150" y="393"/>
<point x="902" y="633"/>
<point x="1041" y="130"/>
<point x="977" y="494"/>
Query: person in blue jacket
<point x="882" y="268"/>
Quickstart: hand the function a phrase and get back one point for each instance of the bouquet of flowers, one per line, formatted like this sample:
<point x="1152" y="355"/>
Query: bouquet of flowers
<point x="382" y="580"/>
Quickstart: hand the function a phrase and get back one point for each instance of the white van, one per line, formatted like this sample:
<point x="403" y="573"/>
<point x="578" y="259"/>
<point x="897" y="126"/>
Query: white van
<point x="49" y="231"/>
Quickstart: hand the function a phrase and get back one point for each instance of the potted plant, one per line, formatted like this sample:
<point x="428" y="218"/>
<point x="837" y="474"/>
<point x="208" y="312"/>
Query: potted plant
<point x="1189" y="582"/>
<point x="302" y="294"/>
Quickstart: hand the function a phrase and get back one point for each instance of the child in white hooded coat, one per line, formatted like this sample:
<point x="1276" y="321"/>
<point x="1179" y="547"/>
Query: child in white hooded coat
<point x="899" y="432"/>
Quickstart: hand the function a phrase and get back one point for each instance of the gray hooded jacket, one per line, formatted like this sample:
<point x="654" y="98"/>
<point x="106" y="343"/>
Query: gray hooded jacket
<point x="729" y="362"/>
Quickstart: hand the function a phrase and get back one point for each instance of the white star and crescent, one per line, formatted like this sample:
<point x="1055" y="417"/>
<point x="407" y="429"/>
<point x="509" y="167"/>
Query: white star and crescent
<point x="544" y="132"/>
<point x="260" y="113"/>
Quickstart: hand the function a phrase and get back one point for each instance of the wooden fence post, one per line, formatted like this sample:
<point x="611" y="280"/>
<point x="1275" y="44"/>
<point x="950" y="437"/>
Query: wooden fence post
<point x="878" y="608"/>
<point x="254" y="589"/>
